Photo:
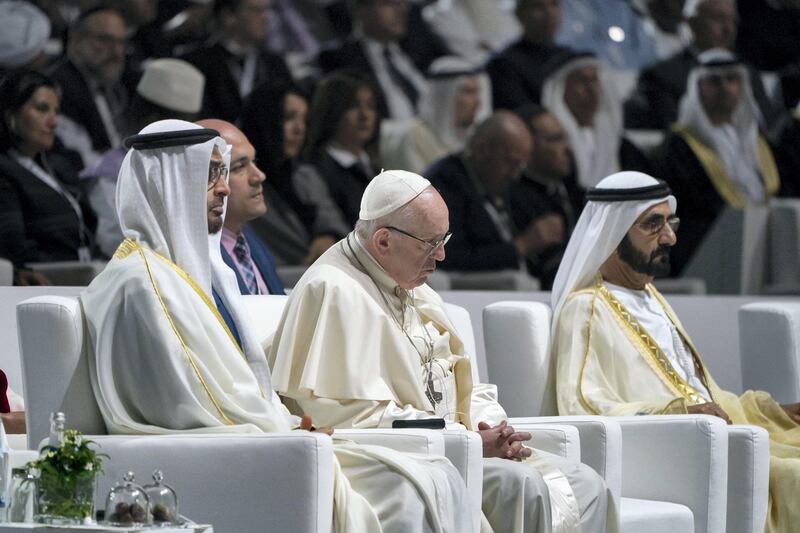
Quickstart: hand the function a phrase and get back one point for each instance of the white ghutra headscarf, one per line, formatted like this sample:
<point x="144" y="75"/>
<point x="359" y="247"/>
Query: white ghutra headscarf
<point x="735" y="143"/>
<point x="618" y="201"/>
<point x="597" y="156"/>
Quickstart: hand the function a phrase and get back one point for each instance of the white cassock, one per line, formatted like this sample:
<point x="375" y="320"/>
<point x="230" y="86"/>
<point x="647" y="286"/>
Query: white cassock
<point x="157" y="340"/>
<point x="353" y="350"/>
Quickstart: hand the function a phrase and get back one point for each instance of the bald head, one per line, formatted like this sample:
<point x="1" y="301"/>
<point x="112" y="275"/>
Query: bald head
<point x="246" y="200"/>
<point x="499" y="150"/>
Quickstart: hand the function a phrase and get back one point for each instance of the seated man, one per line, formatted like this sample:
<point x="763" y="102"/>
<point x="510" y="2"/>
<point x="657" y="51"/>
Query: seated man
<point x="165" y="359"/>
<point x="242" y="250"/>
<point x="715" y="156"/>
<point x="621" y="350"/>
<point x="364" y="342"/>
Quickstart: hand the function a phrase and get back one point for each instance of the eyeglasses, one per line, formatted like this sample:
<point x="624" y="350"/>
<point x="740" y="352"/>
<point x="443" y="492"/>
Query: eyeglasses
<point x="433" y="245"/>
<point x="215" y="172"/>
<point x="654" y="227"/>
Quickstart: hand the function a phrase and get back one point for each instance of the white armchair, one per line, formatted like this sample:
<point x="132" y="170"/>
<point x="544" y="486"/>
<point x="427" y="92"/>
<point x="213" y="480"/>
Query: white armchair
<point x="716" y="489"/>
<point x="289" y="476"/>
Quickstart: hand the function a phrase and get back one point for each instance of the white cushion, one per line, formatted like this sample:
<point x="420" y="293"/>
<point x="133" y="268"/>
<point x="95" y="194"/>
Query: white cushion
<point x="648" y="516"/>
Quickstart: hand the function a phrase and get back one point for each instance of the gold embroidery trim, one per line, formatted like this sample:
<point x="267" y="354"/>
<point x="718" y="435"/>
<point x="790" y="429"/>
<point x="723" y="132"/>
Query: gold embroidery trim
<point x="581" y="398"/>
<point x="718" y="176"/>
<point x="653" y="350"/>
<point x="705" y="378"/>
<point x="130" y="248"/>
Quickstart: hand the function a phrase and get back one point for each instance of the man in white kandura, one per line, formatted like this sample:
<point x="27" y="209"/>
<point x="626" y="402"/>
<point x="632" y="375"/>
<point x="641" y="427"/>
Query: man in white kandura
<point x="171" y="349"/>
<point x="364" y="342"/>
<point x="620" y="348"/>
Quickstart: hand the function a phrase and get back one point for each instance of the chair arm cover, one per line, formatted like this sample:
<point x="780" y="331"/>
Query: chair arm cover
<point x="425" y="441"/>
<point x="680" y="459"/>
<point x="748" y="478"/>
<point x="600" y="445"/>
<point x="559" y="439"/>
<point x="465" y="451"/>
<point x="254" y="483"/>
<point x="769" y="340"/>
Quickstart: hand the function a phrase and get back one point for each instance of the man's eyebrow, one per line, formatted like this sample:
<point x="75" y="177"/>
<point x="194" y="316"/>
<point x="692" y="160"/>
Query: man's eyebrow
<point x="654" y="217"/>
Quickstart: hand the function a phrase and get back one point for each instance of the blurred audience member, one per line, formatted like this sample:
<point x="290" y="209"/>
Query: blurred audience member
<point x="663" y="20"/>
<point x="715" y="156"/>
<point x="473" y="28"/>
<point x="236" y="60"/>
<point x="475" y="185"/>
<point x="546" y="198"/>
<point x="241" y="249"/>
<point x="297" y="28"/>
<point x="169" y="88"/>
<point x="614" y="31"/>
<point x="373" y="48"/>
<point x="457" y="98"/>
<point x="578" y="93"/>
<point x="93" y="101"/>
<point x="517" y="71"/>
<point x="714" y="24"/>
<point x="343" y="137"/>
<point x="302" y="220"/>
<point x="42" y="216"/>
<point x="788" y="154"/>
<point x="25" y="32"/>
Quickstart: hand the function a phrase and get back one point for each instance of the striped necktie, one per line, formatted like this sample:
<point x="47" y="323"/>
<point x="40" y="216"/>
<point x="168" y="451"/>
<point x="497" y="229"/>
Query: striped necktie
<point x="242" y="251"/>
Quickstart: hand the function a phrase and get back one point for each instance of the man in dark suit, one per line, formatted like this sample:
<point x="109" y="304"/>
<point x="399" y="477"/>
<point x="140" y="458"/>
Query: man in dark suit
<point x="236" y="61"/>
<point x="242" y="250"/>
<point x="714" y="24"/>
<point x="93" y="100"/>
<point x="517" y="72"/>
<point x="376" y="47"/>
<point x="475" y="185"/>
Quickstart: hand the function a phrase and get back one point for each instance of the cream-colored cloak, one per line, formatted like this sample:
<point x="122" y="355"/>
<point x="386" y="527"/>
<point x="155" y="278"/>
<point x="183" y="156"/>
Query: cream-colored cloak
<point x="340" y="355"/>
<point x="608" y="364"/>
<point x="163" y="361"/>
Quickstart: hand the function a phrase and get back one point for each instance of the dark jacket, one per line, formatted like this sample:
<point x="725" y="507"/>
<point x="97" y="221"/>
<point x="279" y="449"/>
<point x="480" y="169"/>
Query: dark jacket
<point x="37" y="224"/>
<point x="221" y="95"/>
<point x="263" y="260"/>
<point x="476" y="243"/>
<point x="346" y="184"/>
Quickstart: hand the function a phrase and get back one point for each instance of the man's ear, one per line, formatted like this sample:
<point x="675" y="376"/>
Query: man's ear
<point x="380" y="240"/>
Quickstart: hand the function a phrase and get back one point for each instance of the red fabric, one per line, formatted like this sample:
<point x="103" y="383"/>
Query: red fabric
<point x="4" y="406"/>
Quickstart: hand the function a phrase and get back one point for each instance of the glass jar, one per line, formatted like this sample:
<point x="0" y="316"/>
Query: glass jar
<point x="163" y="501"/>
<point x="127" y="504"/>
<point x="22" y="491"/>
<point x="65" y="499"/>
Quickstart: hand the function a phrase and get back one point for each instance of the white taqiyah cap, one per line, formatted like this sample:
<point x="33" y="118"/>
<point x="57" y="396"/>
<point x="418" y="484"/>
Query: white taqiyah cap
<point x="25" y="31"/>
<point x="173" y="84"/>
<point x="389" y="191"/>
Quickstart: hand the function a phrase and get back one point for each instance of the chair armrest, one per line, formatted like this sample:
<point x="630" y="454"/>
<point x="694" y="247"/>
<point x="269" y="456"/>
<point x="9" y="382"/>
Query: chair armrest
<point x="465" y="451"/>
<point x="559" y="439"/>
<point x="680" y="459"/>
<point x="425" y="441"/>
<point x="251" y="482"/>
<point x="748" y="478"/>
<point x="600" y="445"/>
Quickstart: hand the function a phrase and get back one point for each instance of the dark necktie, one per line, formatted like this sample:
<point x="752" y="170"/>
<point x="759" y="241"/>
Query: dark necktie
<point x="400" y="79"/>
<point x="242" y="252"/>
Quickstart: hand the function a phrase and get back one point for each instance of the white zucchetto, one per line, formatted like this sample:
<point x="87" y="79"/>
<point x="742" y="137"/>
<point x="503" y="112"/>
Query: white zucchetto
<point x="390" y="190"/>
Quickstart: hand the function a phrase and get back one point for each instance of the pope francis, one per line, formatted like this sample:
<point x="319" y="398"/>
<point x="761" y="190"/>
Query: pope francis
<point x="364" y="342"/>
<point x="621" y="350"/>
<point x="172" y="351"/>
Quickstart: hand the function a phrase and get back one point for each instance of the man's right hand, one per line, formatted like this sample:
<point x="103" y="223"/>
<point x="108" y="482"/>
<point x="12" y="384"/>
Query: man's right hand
<point x="543" y="232"/>
<point x="503" y="441"/>
<point x="710" y="408"/>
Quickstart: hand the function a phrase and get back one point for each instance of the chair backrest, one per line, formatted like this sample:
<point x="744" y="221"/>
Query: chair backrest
<point x="517" y="339"/>
<point x="783" y="271"/>
<point x="6" y="272"/>
<point x="769" y="340"/>
<point x="55" y="367"/>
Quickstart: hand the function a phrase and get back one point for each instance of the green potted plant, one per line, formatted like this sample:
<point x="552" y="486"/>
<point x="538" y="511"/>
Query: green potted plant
<point x="66" y="477"/>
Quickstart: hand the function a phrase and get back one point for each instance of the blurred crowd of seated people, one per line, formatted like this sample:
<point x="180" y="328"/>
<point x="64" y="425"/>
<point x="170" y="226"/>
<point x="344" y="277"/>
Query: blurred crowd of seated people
<point x="513" y="108"/>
